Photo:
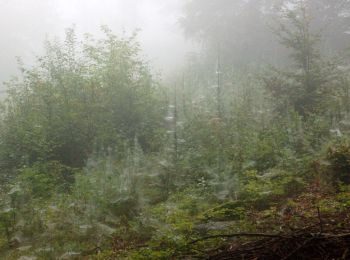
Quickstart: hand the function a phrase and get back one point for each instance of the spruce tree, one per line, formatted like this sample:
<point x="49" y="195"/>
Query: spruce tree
<point x="310" y="82"/>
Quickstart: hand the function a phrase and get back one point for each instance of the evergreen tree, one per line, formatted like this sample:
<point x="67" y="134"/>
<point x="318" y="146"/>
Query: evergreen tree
<point x="312" y="80"/>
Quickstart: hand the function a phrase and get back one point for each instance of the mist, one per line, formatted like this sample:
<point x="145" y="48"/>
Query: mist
<point x="174" y="129"/>
<point x="26" y="24"/>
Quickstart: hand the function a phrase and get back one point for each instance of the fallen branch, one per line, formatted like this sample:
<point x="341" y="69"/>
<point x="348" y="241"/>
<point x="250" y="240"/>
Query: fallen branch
<point x="238" y="235"/>
<point x="305" y="245"/>
<point x="320" y="219"/>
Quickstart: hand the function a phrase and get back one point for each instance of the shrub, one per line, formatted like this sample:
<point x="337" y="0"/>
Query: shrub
<point x="339" y="158"/>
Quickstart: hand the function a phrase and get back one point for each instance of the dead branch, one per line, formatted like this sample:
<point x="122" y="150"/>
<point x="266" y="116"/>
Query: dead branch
<point x="238" y="235"/>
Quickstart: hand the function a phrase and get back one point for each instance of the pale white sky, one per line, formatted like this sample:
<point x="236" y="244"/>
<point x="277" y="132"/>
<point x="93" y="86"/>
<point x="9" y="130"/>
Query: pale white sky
<point x="24" y="24"/>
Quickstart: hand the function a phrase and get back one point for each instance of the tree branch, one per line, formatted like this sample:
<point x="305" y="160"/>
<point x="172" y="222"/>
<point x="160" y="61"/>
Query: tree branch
<point x="238" y="235"/>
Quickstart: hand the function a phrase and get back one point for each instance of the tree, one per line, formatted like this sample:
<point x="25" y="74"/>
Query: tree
<point x="311" y="83"/>
<point x="234" y="25"/>
<point x="333" y="19"/>
<point x="80" y="97"/>
<point x="239" y="25"/>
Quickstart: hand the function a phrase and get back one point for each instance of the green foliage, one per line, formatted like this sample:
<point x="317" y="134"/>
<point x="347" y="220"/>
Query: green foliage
<point x="339" y="157"/>
<point x="81" y="97"/>
<point x="228" y="211"/>
<point x="94" y="153"/>
<point x="262" y="191"/>
<point x="312" y="82"/>
<point x="43" y="180"/>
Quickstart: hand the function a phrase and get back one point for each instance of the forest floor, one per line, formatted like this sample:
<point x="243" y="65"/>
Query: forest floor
<point x="313" y="225"/>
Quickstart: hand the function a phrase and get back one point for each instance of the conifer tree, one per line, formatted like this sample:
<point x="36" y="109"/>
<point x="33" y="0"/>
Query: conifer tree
<point x="311" y="80"/>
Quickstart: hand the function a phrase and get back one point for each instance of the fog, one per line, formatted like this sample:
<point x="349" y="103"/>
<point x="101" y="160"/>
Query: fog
<point x="169" y="30"/>
<point x="25" y="24"/>
<point x="220" y="131"/>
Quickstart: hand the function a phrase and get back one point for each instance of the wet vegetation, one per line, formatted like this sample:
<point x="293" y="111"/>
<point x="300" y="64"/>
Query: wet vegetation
<point x="245" y="152"/>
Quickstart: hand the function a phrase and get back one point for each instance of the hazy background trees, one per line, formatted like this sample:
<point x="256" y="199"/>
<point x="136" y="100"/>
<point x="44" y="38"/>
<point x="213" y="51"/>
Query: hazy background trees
<point x="27" y="24"/>
<point x="235" y="27"/>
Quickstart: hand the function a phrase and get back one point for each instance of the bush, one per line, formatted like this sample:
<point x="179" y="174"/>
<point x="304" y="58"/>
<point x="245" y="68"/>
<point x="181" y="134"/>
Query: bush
<point x="339" y="158"/>
<point x="46" y="179"/>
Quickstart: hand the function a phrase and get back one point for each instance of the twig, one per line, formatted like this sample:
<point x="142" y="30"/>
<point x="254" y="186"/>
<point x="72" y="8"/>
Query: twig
<point x="320" y="219"/>
<point x="345" y="253"/>
<point x="298" y="248"/>
<point x="335" y="235"/>
<point x="238" y="235"/>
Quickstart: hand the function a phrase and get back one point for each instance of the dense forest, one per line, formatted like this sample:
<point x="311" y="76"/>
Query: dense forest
<point x="243" y="154"/>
